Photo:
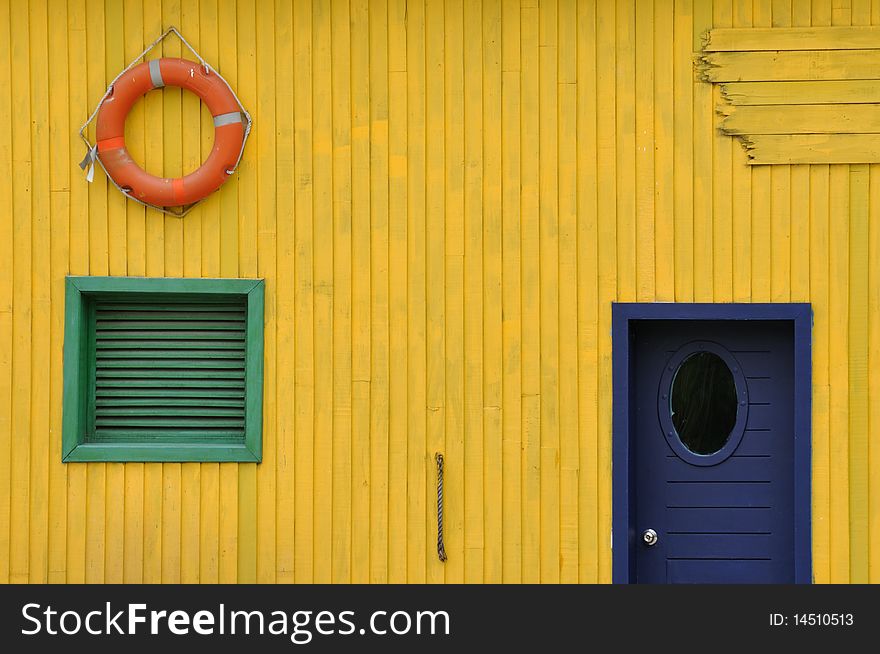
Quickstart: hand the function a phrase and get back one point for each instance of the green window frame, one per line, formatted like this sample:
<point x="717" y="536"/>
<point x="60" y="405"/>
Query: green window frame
<point x="79" y="440"/>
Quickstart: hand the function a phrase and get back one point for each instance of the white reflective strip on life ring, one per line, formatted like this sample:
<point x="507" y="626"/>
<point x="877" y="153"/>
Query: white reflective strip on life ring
<point x="156" y="74"/>
<point x="227" y="119"/>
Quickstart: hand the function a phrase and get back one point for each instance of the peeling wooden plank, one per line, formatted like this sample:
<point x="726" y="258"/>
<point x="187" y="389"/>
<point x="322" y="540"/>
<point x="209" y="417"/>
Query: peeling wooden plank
<point x="813" y="148"/>
<point x="801" y="119"/>
<point x="792" y="38"/>
<point x="792" y="65"/>
<point x="803" y="92"/>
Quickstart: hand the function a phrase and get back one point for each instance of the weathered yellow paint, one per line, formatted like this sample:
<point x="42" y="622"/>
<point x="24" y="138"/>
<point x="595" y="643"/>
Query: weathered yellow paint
<point x="792" y="38"/>
<point x="790" y="65"/>
<point x="812" y="148"/>
<point x="774" y="82"/>
<point x="795" y="93"/>
<point x="794" y="119"/>
<point x="444" y="198"/>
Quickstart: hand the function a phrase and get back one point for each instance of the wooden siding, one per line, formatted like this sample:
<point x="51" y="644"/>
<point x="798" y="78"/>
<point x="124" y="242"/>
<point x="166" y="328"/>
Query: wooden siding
<point x="797" y="95"/>
<point x="444" y="198"/>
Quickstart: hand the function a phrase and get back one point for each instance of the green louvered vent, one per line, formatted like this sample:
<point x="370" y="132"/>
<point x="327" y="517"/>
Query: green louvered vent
<point x="168" y="371"/>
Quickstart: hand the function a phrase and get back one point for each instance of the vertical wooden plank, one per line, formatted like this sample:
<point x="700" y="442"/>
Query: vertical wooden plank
<point x="285" y="322"/>
<point x="78" y="259"/>
<point x="587" y="292"/>
<point x="40" y="271"/>
<point x="152" y="492"/>
<point x="24" y="176"/>
<point x="606" y="121"/>
<point x="190" y="473"/>
<point x="360" y="310"/>
<point x="209" y="522"/>
<point x="246" y="86"/>
<point x="874" y="358"/>
<point x="800" y="198"/>
<point x="227" y="559"/>
<point x="190" y="503"/>
<point x="821" y="12"/>
<point x="492" y="285"/>
<point x="209" y="473"/>
<point x="303" y="295"/>
<point x="228" y="226"/>
<point x="172" y="148"/>
<point x="548" y="280"/>
<point x="761" y="201"/>
<point x="511" y="296"/>
<point x="228" y="220"/>
<point x="342" y="285"/>
<point x="780" y="200"/>
<point x="266" y="268"/>
<point x="819" y="299"/>
<point x="398" y="284"/>
<point x="858" y="282"/>
<point x="22" y="302"/>
<point x="664" y="163"/>
<point x="418" y="510"/>
<point x="96" y="83"/>
<point x="838" y="305"/>
<point x="378" y="101"/>
<point x="171" y="522"/>
<point x="6" y="293"/>
<point x="435" y="278"/>
<point x="644" y="103"/>
<point x="568" y="294"/>
<point x="323" y="279"/>
<point x="839" y="391"/>
<point x="873" y="311"/>
<point x="858" y="374"/>
<point x="530" y="276"/>
<point x="209" y="210"/>
<point x="98" y="265"/>
<point x="59" y="235"/>
<point x="190" y="156"/>
<point x="704" y="138"/>
<point x="861" y="12"/>
<point x="453" y="487"/>
<point x="683" y="149"/>
<point x="625" y="152"/>
<point x="172" y="160"/>
<point x="722" y="184"/>
<point x="781" y="13"/>
<point x="472" y="463"/>
<point x="741" y="193"/>
<point x="153" y="147"/>
<point x="114" y="61"/>
<point x="117" y="219"/>
<point x="155" y="267"/>
<point x="135" y="230"/>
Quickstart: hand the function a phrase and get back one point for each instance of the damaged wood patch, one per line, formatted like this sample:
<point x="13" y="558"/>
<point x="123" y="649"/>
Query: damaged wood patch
<point x="797" y="95"/>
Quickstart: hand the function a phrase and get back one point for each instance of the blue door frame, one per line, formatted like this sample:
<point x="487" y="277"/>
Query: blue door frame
<point x="623" y="314"/>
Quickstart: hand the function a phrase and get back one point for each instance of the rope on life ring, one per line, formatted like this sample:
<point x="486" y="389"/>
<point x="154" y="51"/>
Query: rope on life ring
<point x="232" y="125"/>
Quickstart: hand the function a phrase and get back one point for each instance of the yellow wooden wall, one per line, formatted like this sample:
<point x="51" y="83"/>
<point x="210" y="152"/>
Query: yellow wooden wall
<point x="444" y="199"/>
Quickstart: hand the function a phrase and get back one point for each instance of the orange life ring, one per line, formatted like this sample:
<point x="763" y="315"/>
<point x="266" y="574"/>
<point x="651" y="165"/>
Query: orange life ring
<point x="228" y="132"/>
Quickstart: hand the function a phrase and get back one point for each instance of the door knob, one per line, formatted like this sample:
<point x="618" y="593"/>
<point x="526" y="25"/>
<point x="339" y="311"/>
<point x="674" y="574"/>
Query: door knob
<point x="650" y="537"/>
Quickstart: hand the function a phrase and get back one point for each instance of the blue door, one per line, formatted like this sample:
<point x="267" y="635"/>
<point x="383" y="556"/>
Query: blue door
<point x="712" y="484"/>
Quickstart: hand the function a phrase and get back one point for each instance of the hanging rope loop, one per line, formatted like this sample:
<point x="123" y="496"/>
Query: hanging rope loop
<point x="441" y="550"/>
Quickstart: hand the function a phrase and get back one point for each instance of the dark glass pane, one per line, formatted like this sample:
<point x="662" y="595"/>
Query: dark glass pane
<point x="703" y="402"/>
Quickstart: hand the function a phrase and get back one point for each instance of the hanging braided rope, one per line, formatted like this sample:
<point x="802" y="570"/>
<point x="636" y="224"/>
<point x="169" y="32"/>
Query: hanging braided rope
<point x="441" y="550"/>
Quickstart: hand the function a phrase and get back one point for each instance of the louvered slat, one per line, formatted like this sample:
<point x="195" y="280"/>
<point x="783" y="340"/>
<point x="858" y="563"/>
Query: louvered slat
<point x="168" y="372"/>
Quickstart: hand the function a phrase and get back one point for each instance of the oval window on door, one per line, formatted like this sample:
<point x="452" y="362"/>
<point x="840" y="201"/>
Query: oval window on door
<point x="703" y="403"/>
